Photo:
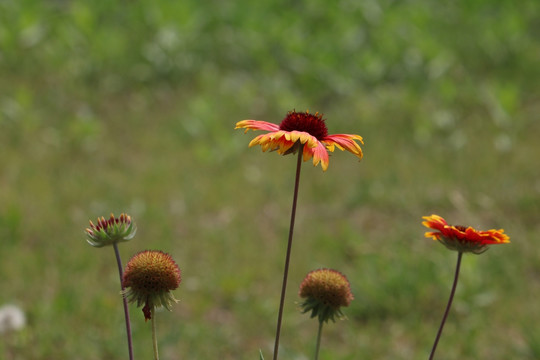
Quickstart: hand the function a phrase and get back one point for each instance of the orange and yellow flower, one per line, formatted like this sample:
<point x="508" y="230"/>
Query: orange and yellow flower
<point x="302" y="128"/>
<point x="461" y="238"/>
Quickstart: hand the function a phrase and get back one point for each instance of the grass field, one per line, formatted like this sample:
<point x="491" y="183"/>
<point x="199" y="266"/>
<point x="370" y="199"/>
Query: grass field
<point x="130" y="107"/>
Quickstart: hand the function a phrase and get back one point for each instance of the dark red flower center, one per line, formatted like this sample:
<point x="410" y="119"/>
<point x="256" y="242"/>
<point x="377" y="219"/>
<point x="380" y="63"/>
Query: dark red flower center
<point x="460" y="228"/>
<point x="306" y="122"/>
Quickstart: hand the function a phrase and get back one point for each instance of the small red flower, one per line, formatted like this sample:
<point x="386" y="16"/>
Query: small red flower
<point x="461" y="238"/>
<point x="302" y="129"/>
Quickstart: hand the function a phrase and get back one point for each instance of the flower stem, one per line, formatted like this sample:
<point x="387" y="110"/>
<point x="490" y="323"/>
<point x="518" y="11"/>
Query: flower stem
<point x="126" y="310"/>
<point x="456" y="276"/>
<point x="154" y="335"/>
<point x="288" y="255"/>
<point x="318" y="340"/>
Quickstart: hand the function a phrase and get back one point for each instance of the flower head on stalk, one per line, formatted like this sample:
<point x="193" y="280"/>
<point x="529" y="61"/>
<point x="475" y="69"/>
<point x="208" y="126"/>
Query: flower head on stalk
<point x="325" y="291"/>
<point x="149" y="277"/>
<point x="463" y="239"/>
<point x="302" y="128"/>
<point x="110" y="231"/>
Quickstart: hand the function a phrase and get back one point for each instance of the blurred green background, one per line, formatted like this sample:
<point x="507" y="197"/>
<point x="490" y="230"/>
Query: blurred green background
<point x="130" y="106"/>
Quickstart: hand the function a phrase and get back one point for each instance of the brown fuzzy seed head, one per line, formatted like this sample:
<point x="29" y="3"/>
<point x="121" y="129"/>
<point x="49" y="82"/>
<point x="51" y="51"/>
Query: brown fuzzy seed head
<point x="328" y="287"/>
<point x="151" y="272"/>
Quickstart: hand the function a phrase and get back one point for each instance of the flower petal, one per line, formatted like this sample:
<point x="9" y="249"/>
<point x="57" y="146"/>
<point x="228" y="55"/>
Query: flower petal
<point x="304" y="138"/>
<point x="256" y="125"/>
<point x="434" y="222"/>
<point x="266" y="141"/>
<point x="344" y="142"/>
<point x="283" y="145"/>
<point x="319" y="154"/>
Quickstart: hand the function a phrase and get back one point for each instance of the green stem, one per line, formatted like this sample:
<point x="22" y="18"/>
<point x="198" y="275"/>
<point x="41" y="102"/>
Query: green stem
<point x="288" y="255"/>
<point x="154" y="335"/>
<point x="318" y="340"/>
<point x="126" y="310"/>
<point x="456" y="276"/>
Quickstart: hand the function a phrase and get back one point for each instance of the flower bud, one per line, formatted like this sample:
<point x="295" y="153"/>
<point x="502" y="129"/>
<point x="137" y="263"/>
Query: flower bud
<point x="111" y="231"/>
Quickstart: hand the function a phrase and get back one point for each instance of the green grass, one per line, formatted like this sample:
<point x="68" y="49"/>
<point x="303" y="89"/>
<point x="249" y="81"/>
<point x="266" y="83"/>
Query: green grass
<point x="130" y="107"/>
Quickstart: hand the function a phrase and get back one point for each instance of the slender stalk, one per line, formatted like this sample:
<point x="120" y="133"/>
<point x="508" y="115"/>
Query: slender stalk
<point x="126" y="310"/>
<point x="154" y="335"/>
<point x="288" y="255"/>
<point x="456" y="276"/>
<point x="318" y="340"/>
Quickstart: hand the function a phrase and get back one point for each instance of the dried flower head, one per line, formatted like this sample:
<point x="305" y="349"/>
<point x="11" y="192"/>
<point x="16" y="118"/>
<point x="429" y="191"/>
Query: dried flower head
<point x="111" y="231"/>
<point x="461" y="238"/>
<point x="325" y="291"/>
<point x="149" y="277"/>
<point x="302" y="128"/>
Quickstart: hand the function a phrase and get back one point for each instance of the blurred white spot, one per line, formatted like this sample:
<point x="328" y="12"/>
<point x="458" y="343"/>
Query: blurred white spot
<point x="32" y="35"/>
<point x="444" y="119"/>
<point x="11" y="318"/>
<point x="503" y="143"/>
<point x="167" y="37"/>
